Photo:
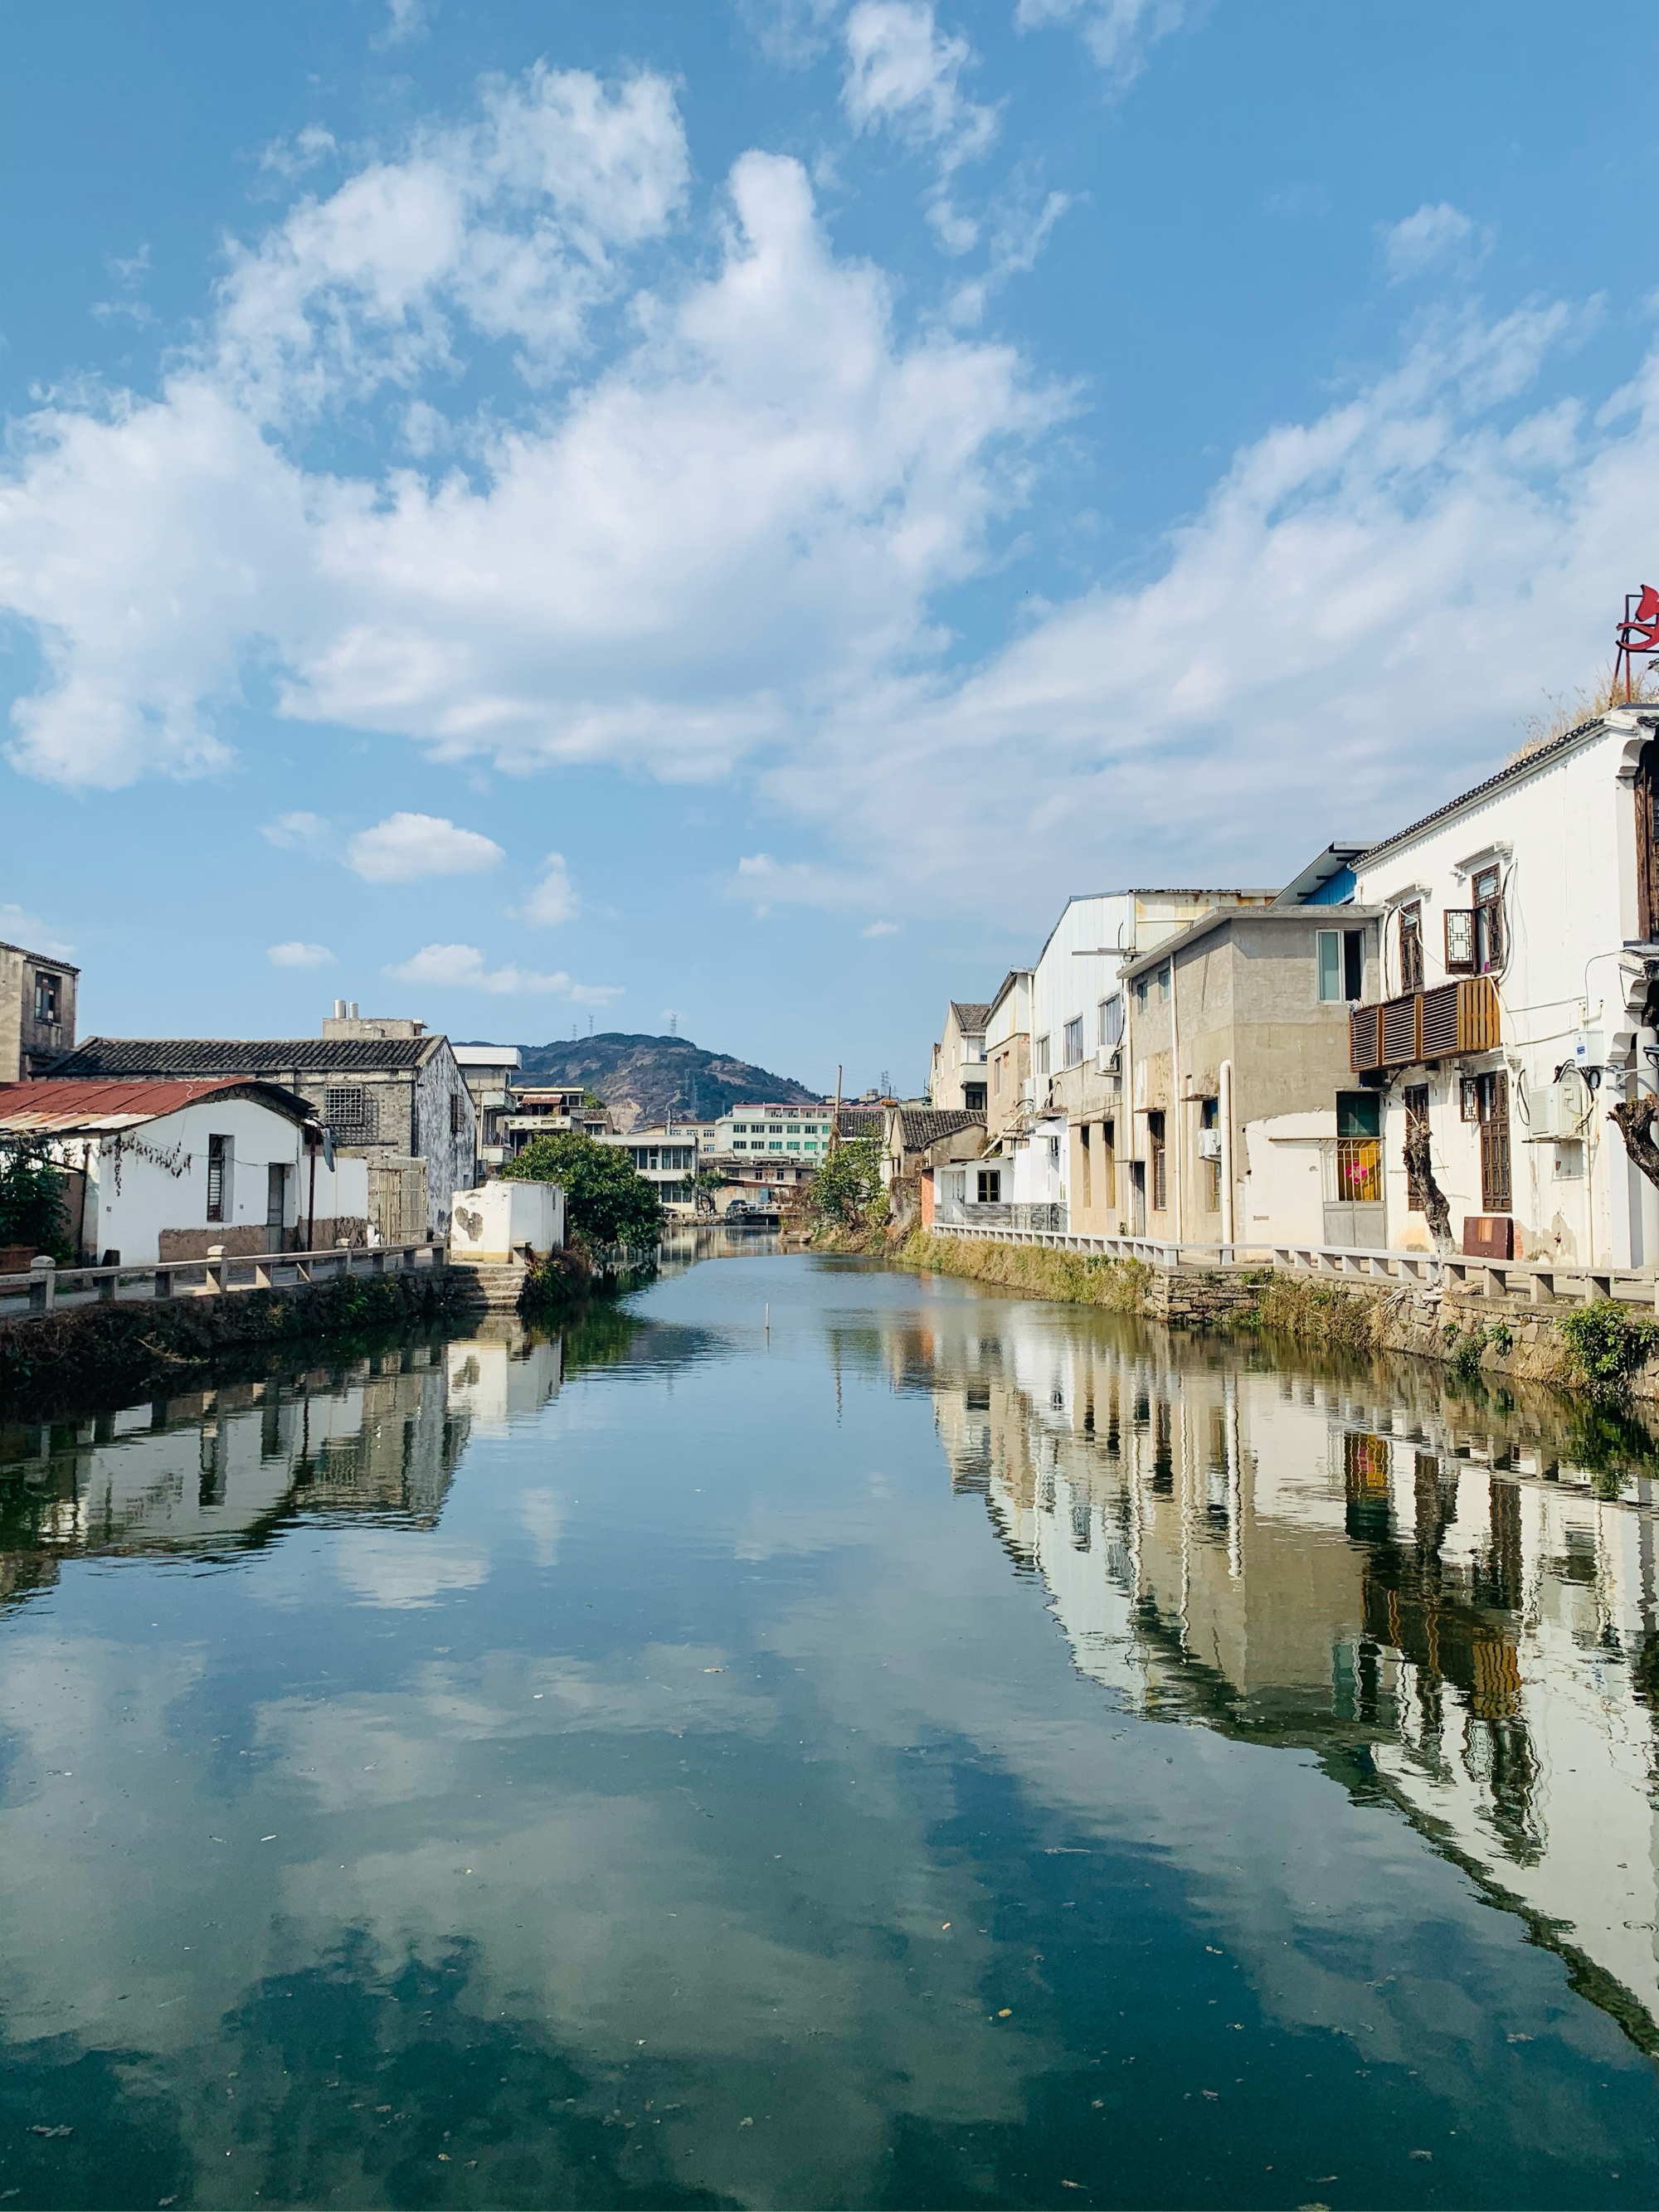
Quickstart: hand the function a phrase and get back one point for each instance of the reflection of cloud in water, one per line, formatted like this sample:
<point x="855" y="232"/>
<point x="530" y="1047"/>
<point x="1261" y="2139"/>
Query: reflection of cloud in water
<point x="397" y="1570"/>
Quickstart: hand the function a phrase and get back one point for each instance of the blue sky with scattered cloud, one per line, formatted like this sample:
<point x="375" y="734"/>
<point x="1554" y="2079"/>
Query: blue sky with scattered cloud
<point x="531" y="515"/>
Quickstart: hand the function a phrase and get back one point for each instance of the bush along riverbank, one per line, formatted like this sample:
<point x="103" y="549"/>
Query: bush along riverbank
<point x="109" y="1355"/>
<point x="1607" y="1351"/>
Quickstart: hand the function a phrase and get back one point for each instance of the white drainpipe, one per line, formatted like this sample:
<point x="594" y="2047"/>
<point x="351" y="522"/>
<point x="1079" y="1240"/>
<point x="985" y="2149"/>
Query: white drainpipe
<point x="1224" y="1114"/>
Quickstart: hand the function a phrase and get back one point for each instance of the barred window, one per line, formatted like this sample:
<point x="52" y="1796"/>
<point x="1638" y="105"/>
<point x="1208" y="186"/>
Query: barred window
<point x="350" y="1112"/>
<point x="457" y="1113"/>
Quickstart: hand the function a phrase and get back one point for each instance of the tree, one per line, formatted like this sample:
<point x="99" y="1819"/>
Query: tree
<point x="32" y="1209"/>
<point x="606" y="1202"/>
<point x="848" y="1181"/>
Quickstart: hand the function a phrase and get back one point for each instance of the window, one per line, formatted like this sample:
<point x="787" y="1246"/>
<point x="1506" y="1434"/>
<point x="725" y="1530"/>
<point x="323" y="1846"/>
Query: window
<point x="1417" y="1117"/>
<point x="457" y="1113"/>
<point x="219" y="1194"/>
<point x="1489" y="922"/>
<point x="1111" y="1022"/>
<point x="740" y="1144"/>
<point x="1485" y="1099"/>
<point x="276" y="1194"/>
<point x="48" y="997"/>
<point x="1353" y="965"/>
<point x="990" y="1185"/>
<point x="973" y="1097"/>
<point x="1054" y="1152"/>
<point x="1330" y="965"/>
<point x="774" y="1148"/>
<point x="774" y="1128"/>
<point x="996" y="1076"/>
<point x="1074" y="1042"/>
<point x="1159" y="1163"/>
<point x="350" y="1112"/>
<point x="1411" y="947"/>
<point x="1086" y="1165"/>
<point x="811" y="1145"/>
<point x="1042" y="1055"/>
<point x="1140" y="991"/>
<point x="1163" y="982"/>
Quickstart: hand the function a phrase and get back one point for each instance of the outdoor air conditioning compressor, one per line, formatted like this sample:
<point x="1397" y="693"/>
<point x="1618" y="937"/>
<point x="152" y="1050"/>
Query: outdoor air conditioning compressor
<point x="1209" y="1144"/>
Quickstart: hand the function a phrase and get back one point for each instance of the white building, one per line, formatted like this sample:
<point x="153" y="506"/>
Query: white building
<point x="1519" y="960"/>
<point x="800" y="1130"/>
<point x="165" y="1170"/>
<point x="667" y="1159"/>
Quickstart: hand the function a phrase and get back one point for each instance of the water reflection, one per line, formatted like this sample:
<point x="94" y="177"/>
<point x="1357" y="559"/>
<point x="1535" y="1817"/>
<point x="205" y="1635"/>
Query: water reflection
<point x="813" y="1734"/>
<point x="1414" y="1582"/>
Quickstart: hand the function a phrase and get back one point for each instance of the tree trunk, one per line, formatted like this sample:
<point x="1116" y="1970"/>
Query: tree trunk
<point x="1634" y="1117"/>
<point x="1420" y="1168"/>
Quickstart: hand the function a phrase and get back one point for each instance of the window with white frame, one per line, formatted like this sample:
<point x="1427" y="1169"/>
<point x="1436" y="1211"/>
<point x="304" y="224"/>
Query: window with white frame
<point x="1074" y="1042"/>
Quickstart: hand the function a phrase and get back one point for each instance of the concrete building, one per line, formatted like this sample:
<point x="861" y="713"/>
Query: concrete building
<point x="1239" y="1118"/>
<point x="389" y="1091"/>
<point x="802" y="1131"/>
<point x="488" y="1072"/>
<point x="1519" y="977"/>
<point x="667" y="1157"/>
<point x="1008" y="1050"/>
<point x="37" y="1011"/>
<point x="959" y="1077"/>
<point x="548" y="1110"/>
<point x="165" y="1170"/>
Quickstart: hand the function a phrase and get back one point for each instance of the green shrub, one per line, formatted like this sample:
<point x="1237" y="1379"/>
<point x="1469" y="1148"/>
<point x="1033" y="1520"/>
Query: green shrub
<point x="1607" y="1344"/>
<point x="32" y="1210"/>
<point x="1499" y="1338"/>
<point x="606" y="1202"/>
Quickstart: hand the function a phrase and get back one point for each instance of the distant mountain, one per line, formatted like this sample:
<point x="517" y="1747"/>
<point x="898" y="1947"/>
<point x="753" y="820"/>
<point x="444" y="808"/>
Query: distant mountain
<point x="640" y="1078"/>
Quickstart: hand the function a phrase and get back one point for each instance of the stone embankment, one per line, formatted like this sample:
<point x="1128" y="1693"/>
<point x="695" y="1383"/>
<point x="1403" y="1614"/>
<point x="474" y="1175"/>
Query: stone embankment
<point x="1606" y="1343"/>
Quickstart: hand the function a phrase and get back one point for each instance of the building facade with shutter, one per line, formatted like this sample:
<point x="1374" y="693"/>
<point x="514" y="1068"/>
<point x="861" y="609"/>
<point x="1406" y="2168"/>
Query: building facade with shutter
<point x="1519" y="967"/>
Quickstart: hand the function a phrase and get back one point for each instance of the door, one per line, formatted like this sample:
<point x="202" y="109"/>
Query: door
<point x="1355" y="1216"/>
<point x="276" y="1205"/>
<point x="1137" y="1188"/>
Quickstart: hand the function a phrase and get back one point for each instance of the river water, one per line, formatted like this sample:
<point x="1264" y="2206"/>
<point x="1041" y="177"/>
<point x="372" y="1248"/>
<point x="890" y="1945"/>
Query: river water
<point x="937" y="1749"/>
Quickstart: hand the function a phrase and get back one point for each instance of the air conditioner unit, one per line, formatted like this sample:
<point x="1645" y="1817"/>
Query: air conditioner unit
<point x="1106" y="1060"/>
<point x="1557" y="1110"/>
<point x="1028" y="1091"/>
<point x="1209" y="1144"/>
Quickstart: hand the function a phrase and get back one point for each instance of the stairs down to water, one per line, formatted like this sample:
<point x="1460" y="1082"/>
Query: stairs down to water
<point x="488" y="1289"/>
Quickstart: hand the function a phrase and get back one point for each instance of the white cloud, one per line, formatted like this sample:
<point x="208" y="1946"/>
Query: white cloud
<point x="793" y="32"/>
<point x="881" y="929"/>
<point x="1434" y="236"/>
<point x="405" y="19"/>
<point x="904" y="74"/>
<point x="746" y="513"/>
<point x="405" y="848"/>
<point x="19" y="928"/>
<point x="554" y="899"/>
<point x="1117" y="32"/>
<point x="295" y="954"/>
<point x="461" y="968"/>
<point x="295" y="833"/>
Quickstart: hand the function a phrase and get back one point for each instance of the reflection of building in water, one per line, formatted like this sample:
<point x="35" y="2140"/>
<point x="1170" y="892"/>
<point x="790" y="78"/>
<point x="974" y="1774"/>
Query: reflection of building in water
<point x="1293" y="1563"/>
<point x="224" y="1469"/>
<point x="503" y="1373"/>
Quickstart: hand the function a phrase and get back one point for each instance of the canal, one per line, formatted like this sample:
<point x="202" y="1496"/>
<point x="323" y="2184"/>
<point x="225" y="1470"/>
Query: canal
<point x="818" y="1734"/>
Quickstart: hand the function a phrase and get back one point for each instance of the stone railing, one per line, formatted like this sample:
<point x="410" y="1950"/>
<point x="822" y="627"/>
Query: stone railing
<point x="48" y="1289"/>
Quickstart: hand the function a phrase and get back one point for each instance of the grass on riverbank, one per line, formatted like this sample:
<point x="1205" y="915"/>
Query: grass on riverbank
<point x="1038" y="1271"/>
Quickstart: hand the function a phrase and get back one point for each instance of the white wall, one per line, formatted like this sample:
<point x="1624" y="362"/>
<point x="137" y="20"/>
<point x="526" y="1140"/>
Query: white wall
<point x="1570" y="902"/>
<point x="156" y="1177"/>
<point x="488" y="1225"/>
<point x="1284" y="1183"/>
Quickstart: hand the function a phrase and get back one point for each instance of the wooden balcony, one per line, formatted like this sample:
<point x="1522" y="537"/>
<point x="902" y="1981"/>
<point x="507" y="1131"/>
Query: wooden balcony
<point x="1460" y="1017"/>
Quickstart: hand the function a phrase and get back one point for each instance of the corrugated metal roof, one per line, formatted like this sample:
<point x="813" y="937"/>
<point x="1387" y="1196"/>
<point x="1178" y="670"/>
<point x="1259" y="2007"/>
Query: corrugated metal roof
<point x="224" y="1056"/>
<point x="54" y="1106"/>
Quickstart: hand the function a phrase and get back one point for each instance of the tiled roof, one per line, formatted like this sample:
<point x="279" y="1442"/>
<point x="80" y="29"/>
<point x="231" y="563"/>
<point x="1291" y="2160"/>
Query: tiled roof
<point x="222" y="1056"/>
<point x="44" y="959"/>
<point x="1512" y="771"/>
<point x="920" y="1125"/>
<point x="65" y="1108"/>
<point x="971" y="1016"/>
<point x="862" y="1121"/>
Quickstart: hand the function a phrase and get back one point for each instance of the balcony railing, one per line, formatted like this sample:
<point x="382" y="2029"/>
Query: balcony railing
<point x="1457" y="1018"/>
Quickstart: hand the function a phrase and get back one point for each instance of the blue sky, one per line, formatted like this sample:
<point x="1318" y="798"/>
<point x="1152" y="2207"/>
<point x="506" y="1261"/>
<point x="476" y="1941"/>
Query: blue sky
<point x="533" y="515"/>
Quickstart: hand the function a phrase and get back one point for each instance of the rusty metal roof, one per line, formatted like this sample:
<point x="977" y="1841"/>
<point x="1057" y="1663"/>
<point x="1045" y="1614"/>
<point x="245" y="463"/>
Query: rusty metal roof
<point x="56" y="1106"/>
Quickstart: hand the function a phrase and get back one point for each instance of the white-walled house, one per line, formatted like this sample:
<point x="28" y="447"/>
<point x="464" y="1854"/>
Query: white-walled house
<point x="1520" y="957"/>
<point x="164" y="1170"/>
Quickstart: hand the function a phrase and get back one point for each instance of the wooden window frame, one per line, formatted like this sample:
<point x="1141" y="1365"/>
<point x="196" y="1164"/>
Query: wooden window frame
<point x="1411" y="946"/>
<point x="1459" y="925"/>
<point x="218" y="1177"/>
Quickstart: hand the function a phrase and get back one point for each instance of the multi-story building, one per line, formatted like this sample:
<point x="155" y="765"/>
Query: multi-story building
<point x="801" y="1131"/>
<point x="37" y="1011"/>
<point x="666" y="1156"/>
<point x="1518" y="998"/>
<point x="959" y="1079"/>
<point x="490" y="1071"/>
<point x="548" y="1110"/>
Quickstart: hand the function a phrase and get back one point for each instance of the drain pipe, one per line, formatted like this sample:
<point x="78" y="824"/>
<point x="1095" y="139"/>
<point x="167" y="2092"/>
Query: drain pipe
<point x="1225" y="1115"/>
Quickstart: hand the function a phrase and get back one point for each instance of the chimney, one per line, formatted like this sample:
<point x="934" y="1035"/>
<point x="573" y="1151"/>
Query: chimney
<point x="339" y="1010"/>
<point x="352" y="1011"/>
